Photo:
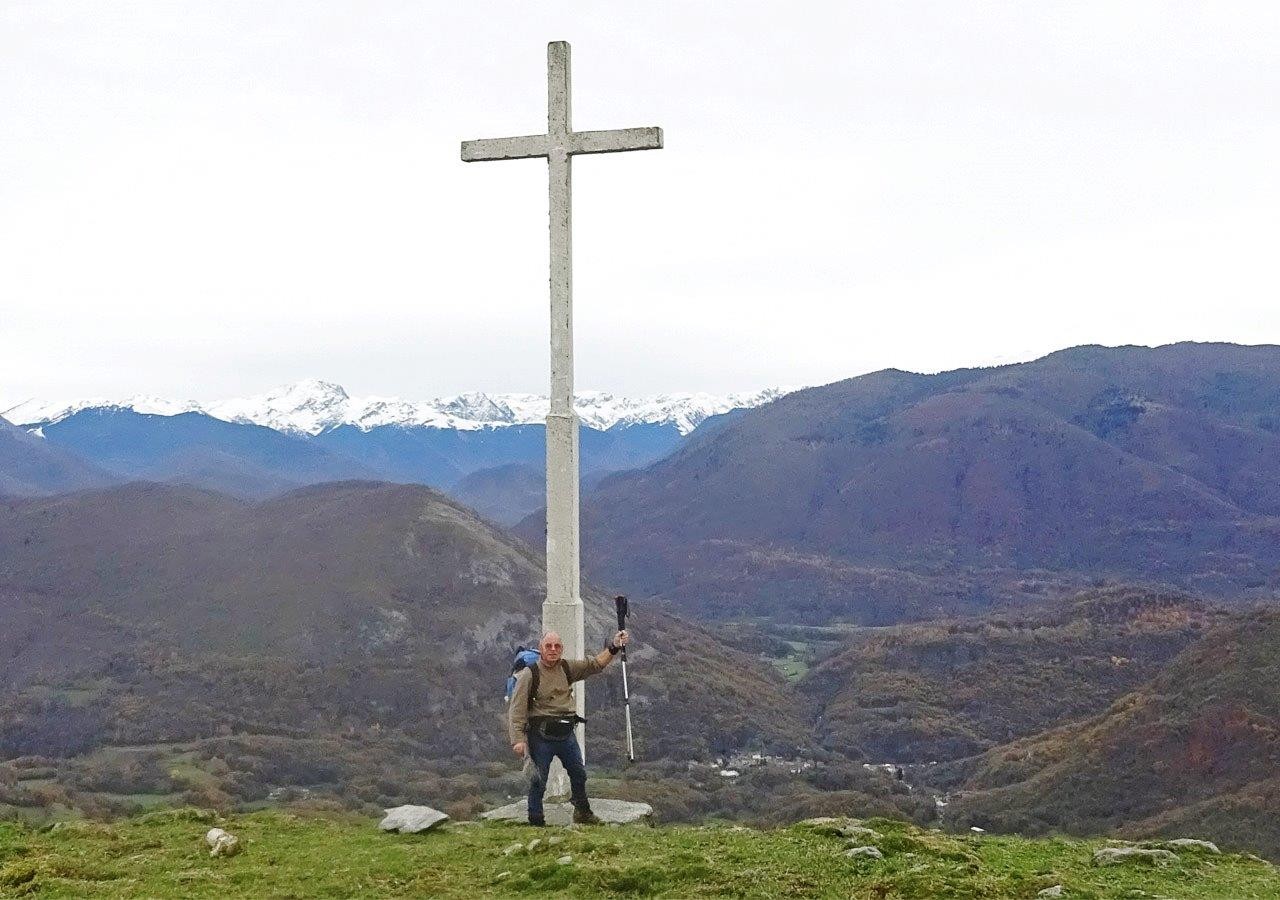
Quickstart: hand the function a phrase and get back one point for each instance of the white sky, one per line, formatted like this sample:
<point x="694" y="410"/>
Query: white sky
<point x="204" y="199"/>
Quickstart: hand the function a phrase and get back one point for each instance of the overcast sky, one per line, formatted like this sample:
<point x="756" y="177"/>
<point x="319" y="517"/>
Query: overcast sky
<point x="205" y="199"/>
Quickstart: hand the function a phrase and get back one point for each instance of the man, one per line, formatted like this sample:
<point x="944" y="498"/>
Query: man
<point x="541" y="724"/>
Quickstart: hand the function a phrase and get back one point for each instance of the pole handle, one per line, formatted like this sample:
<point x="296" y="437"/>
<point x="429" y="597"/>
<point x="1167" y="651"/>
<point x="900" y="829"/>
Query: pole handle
<point x="623" y="609"/>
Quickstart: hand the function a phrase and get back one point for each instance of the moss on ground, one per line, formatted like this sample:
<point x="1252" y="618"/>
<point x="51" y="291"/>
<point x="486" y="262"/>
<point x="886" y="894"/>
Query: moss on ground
<point x="163" y="854"/>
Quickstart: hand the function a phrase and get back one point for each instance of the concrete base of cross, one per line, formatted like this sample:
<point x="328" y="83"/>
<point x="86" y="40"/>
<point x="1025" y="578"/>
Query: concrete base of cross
<point x="612" y="812"/>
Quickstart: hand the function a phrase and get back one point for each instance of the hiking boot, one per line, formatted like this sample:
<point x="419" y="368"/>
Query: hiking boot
<point x="538" y="821"/>
<point x="582" y="815"/>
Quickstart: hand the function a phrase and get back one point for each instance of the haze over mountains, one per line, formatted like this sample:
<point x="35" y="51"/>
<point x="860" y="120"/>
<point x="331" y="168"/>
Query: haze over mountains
<point x="31" y="467"/>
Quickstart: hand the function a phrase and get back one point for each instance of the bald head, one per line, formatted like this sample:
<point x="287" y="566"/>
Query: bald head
<point x="551" y="648"/>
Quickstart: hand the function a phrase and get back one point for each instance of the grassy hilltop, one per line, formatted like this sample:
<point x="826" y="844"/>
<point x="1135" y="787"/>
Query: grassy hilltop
<point x="163" y="854"/>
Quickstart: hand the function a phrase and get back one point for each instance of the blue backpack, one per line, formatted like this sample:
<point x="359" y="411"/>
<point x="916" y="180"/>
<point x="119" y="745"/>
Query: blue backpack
<point x="525" y="659"/>
<point x="528" y="659"/>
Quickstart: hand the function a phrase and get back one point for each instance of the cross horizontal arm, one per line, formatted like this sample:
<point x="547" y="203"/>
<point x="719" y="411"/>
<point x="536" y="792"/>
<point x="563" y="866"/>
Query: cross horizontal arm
<point x="524" y="147"/>
<point x="615" y="141"/>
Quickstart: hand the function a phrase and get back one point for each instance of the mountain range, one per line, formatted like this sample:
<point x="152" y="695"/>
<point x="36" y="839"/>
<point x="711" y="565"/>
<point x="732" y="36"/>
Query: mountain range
<point x="313" y="432"/>
<point x="1055" y="580"/>
<point x="312" y="407"/>
<point x="899" y="496"/>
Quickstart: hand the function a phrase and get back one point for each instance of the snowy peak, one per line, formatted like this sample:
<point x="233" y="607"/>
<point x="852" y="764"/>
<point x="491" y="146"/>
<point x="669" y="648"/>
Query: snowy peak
<point x="479" y="408"/>
<point x="43" y="412"/>
<point x="309" y="407"/>
<point x="685" y="411"/>
<point x="312" y="407"/>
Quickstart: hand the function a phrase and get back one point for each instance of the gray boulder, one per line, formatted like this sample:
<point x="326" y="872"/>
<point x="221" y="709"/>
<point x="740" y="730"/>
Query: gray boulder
<point x="1190" y="844"/>
<point x="222" y="843"/>
<point x="871" y="852"/>
<point x="1118" y="856"/>
<point x="409" y="819"/>
<point x="613" y="812"/>
<point x="836" y="826"/>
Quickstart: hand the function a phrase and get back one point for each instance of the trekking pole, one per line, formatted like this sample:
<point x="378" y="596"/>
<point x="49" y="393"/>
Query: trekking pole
<point x="623" y="612"/>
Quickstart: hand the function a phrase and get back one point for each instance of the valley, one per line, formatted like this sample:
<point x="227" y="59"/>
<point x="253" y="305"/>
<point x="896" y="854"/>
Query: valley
<point x="1042" y="592"/>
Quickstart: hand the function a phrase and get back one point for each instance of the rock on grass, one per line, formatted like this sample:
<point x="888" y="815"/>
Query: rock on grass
<point x="1189" y="844"/>
<point x="1118" y="856"/>
<point x="410" y="819"/>
<point x="222" y="843"/>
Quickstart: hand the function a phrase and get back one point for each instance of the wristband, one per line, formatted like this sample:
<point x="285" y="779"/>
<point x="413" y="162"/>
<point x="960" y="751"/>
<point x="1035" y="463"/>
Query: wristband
<point x="613" y="649"/>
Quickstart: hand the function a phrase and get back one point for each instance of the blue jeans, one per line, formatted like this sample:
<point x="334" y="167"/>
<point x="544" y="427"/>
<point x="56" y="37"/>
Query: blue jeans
<point x="542" y="751"/>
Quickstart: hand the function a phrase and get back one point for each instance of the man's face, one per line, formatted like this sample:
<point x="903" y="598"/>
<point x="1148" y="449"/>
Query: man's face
<point x="551" y="647"/>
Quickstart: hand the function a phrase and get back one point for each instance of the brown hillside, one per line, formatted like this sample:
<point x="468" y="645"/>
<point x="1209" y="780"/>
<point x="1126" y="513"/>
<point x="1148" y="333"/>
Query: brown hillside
<point x="943" y="690"/>
<point x="895" y="496"/>
<point x="1197" y="748"/>
<point x="338" y="634"/>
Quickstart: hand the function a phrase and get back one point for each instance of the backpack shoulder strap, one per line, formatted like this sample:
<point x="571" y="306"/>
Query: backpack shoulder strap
<point x="533" y="684"/>
<point x="534" y="675"/>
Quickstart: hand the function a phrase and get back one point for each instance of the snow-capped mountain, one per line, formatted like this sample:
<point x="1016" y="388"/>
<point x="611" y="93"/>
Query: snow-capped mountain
<point x="45" y="412"/>
<point x="313" y="407"/>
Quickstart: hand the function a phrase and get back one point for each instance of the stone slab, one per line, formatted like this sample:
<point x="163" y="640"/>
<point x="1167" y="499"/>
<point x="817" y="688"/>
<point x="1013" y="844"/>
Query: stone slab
<point x="410" y="819"/>
<point x="613" y="812"/>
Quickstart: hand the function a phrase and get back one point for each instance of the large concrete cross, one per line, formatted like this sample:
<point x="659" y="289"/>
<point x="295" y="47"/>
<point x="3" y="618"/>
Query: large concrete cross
<point x="562" y="611"/>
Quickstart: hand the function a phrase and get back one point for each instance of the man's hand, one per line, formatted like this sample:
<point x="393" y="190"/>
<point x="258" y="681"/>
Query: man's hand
<point x="616" y="643"/>
<point x="518" y="748"/>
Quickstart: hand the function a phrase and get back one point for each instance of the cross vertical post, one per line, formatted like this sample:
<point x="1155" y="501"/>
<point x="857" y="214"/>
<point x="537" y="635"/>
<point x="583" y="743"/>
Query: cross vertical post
<point x="562" y="612"/>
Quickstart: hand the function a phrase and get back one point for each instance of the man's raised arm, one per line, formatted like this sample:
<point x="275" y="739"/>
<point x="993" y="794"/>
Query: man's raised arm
<point x="605" y="656"/>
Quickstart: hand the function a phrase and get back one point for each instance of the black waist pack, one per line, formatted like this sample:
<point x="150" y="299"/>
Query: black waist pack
<point x="556" y="728"/>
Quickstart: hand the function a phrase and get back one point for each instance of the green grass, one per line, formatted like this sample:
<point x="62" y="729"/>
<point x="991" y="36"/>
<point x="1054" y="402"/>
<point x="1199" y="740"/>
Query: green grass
<point x="163" y="854"/>
<point x="145" y="800"/>
<point x="796" y="663"/>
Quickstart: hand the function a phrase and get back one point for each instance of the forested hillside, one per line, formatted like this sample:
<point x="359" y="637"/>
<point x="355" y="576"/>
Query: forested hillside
<point x="1198" y="748"/>
<point x="351" y="639"/>
<point x="949" y="689"/>
<point x="896" y="496"/>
